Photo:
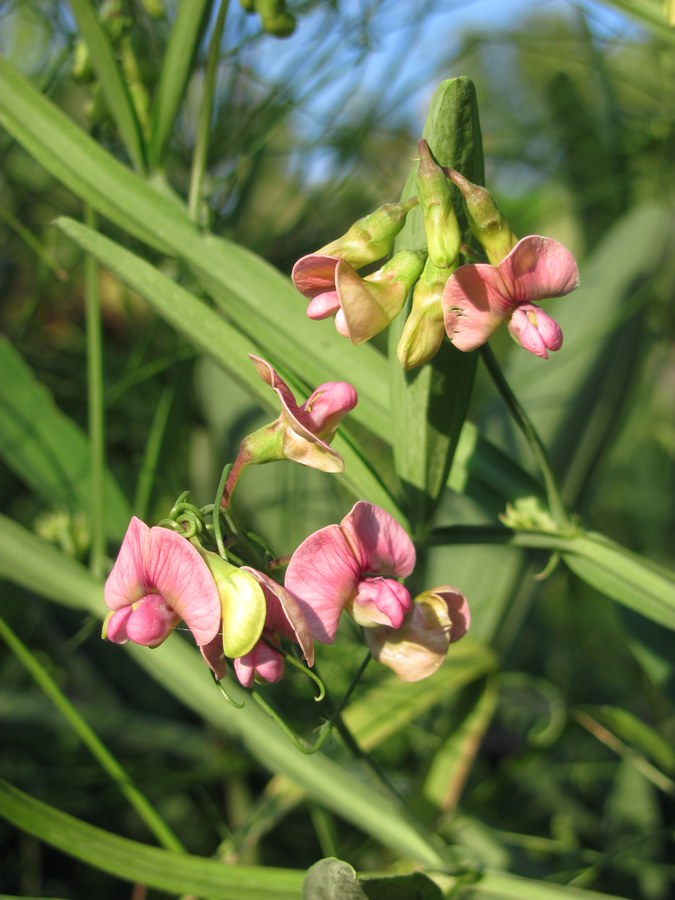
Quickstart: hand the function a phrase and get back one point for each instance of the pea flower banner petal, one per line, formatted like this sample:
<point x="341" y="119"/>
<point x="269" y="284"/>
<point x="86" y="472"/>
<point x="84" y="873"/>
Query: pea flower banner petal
<point x="478" y="298"/>
<point x="340" y="567"/>
<point x="157" y="580"/>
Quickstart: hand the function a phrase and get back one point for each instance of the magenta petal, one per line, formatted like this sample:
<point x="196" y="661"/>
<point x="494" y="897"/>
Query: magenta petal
<point x="263" y="662"/>
<point x="151" y="621"/>
<point x="475" y="302"/>
<point x="535" y="330"/>
<point x="381" y="601"/>
<point x="314" y="274"/>
<point x="126" y="583"/>
<point x="115" y="625"/>
<point x="326" y="407"/>
<point x="537" y="268"/>
<point x="323" y="575"/>
<point x="380" y="545"/>
<point x="176" y="571"/>
<point x="323" y="305"/>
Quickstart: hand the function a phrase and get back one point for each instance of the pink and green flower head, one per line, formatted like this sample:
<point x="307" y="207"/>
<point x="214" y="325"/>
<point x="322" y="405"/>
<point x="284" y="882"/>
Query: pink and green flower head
<point x="353" y="566"/>
<point x="418" y="648"/>
<point x="157" y="580"/>
<point x="369" y="239"/>
<point x="259" y="660"/>
<point x="478" y="298"/>
<point x="365" y="306"/>
<point x="301" y="433"/>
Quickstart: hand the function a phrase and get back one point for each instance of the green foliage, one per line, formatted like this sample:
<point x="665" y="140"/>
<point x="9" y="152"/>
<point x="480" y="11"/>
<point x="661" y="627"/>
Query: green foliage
<point x="537" y="762"/>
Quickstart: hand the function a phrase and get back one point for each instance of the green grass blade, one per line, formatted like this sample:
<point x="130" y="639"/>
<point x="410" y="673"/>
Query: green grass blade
<point x="136" y="862"/>
<point x="110" y="78"/>
<point x="214" y="336"/>
<point x="46" y="449"/>
<point x="177" y="63"/>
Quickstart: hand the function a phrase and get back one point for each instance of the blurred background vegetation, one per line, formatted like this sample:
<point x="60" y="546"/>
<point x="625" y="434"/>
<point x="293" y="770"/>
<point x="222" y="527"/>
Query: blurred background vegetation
<point x="310" y="133"/>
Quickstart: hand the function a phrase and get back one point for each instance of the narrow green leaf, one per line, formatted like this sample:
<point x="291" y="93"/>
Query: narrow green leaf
<point x="429" y="404"/>
<point x="637" y="734"/>
<point x="135" y="862"/>
<point x="110" y="78"/>
<point x="500" y="886"/>
<point x="46" y="449"/>
<point x="214" y="336"/>
<point x="177" y="63"/>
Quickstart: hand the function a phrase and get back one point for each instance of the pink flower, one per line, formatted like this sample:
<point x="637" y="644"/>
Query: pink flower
<point x="344" y="567"/>
<point x="478" y="298"/>
<point x="362" y="306"/>
<point x="283" y="618"/>
<point x="157" y="580"/>
<point x="418" y="648"/>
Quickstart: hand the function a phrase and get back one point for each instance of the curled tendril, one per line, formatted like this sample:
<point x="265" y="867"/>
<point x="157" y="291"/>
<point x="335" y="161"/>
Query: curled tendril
<point x="229" y="699"/>
<point x="171" y="524"/>
<point x="190" y="524"/>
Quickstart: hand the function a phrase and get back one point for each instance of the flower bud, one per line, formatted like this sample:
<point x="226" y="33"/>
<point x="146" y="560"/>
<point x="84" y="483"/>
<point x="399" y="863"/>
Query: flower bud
<point x="425" y="328"/>
<point x="487" y="224"/>
<point x="440" y="222"/>
<point x="243" y="605"/>
<point x="371" y="237"/>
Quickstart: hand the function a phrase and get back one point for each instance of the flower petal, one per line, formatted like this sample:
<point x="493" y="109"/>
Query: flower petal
<point x="126" y="583"/>
<point x="380" y="545"/>
<point x="151" y="621"/>
<point x="323" y="305"/>
<point x="475" y="303"/>
<point x="535" y="330"/>
<point x="326" y="408"/>
<point x="176" y="571"/>
<point x="314" y="274"/>
<point x="419" y="648"/>
<point x="284" y="614"/>
<point x="537" y="268"/>
<point x="262" y="662"/>
<point x="323" y="576"/>
<point x="457" y="607"/>
<point x="368" y="305"/>
<point x="380" y="601"/>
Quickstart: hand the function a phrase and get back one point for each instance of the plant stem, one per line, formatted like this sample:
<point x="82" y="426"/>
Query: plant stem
<point x="556" y="505"/>
<point x="95" y="405"/>
<point x="205" y="112"/>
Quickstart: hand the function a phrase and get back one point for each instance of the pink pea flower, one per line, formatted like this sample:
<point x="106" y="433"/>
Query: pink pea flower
<point x="418" y="648"/>
<point x="284" y="618"/>
<point x="478" y="298"/>
<point x="345" y="567"/>
<point x="157" y="580"/>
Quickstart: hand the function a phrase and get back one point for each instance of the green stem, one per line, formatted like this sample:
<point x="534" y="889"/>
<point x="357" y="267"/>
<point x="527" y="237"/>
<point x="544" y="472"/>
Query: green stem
<point x="95" y="405"/>
<point x="205" y="112"/>
<point x="556" y="505"/>
<point x="106" y="760"/>
<point x="151" y="455"/>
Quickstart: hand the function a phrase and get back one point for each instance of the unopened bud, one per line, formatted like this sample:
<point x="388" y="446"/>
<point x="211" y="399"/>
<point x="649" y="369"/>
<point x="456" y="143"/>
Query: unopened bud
<point x="424" y="329"/>
<point x="440" y="222"/>
<point x="371" y="237"/>
<point x="487" y="224"/>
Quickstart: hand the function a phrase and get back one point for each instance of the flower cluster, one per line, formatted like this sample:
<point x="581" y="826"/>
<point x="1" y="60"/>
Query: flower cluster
<point x="165" y="575"/>
<point x="465" y="302"/>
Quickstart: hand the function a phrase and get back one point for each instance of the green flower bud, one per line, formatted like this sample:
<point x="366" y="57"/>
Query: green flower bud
<point x="487" y="224"/>
<point x="440" y="222"/>
<point x="424" y="329"/>
<point x="243" y="605"/>
<point x="371" y="237"/>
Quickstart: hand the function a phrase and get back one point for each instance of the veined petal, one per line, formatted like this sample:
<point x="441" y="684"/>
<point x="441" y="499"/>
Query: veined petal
<point x="126" y="583"/>
<point x="457" y="607"/>
<point x="314" y="274"/>
<point x="323" y="575"/>
<point x="310" y="450"/>
<point x="284" y="614"/>
<point x="151" y="621"/>
<point x="271" y="377"/>
<point x="326" y="408"/>
<point x="537" y="268"/>
<point x="534" y="330"/>
<point x="380" y="601"/>
<point x="176" y="571"/>
<point x="368" y="305"/>
<point x="475" y="302"/>
<point x="380" y="545"/>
